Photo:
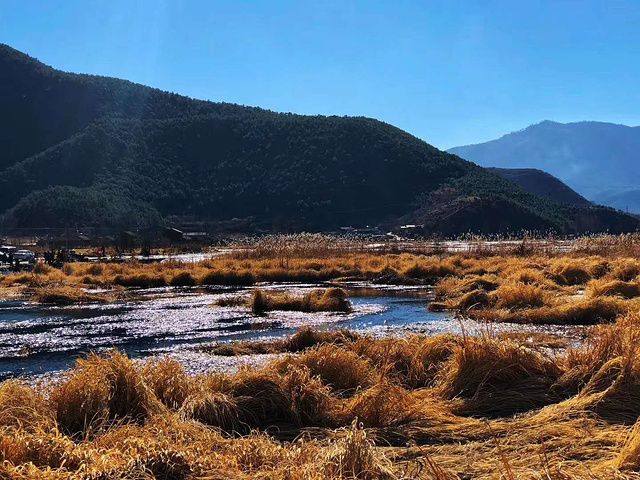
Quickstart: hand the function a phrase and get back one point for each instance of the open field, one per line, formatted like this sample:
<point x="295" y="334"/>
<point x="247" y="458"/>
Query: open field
<point x="340" y="404"/>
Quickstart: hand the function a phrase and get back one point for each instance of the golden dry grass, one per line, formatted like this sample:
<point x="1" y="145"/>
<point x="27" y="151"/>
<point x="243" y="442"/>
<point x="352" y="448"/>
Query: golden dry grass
<point x="506" y="278"/>
<point x="339" y="405"/>
<point x="329" y="300"/>
<point x="354" y="408"/>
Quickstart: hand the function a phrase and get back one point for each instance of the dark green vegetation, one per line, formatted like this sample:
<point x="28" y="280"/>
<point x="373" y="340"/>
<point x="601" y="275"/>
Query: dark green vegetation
<point x="599" y="160"/>
<point x="86" y="150"/>
<point x="542" y="184"/>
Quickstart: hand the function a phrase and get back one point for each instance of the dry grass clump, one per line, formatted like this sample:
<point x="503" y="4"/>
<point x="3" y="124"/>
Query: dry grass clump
<point x="168" y="381"/>
<point x="582" y="312"/>
<point x="412" y="362"/>
<point x="214" y="409"/>
<point x="231" y="301"/>
<point x="232" y="278"/>
<point x="142" y="280"/>
<point x="625" y="269"/>
<point x="183" y="279"/>
<point x="451" y="287"/>
<point x="109" y="418"/>
<point x="383" y="405"/>
<point x="518" y="296"/>
<point x="64" y="296"/>
<point x="613" y="288"/>
<point x="342" y="370"/>
<point x="311" y="402"/>
<point x="530" y="276"/>
<point x="41" y="269"/>
<point x="353" y="455"/>
<point x="22" y="407"/>
<point x="99" y="391"/>
<point x="577" y="271"/>
<point x="629" y="457"/>
<point x="305" y="337"/>
<point x="329" y="300"/>
<point x="476" y="299"/>
<point x="506" y="377"/>
<point x="276" y="397"/>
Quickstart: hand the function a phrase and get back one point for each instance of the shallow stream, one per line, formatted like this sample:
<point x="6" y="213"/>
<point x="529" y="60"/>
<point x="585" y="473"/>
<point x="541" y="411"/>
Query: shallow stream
<point x="37" y="340"/>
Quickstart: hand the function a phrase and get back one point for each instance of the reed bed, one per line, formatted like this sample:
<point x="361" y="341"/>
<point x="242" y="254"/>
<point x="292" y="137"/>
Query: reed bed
<point x="344" y="406"/>
<point x="525" y="268"/>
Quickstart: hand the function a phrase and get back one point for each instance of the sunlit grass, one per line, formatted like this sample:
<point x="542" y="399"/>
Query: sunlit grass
<point x="371" y="408"/>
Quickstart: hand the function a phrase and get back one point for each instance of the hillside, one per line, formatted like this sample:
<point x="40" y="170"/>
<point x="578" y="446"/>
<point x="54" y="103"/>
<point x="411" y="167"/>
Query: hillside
<point x="542" y="184"/>
<point x="599" y="160"/>
<point x="86" y="150"/>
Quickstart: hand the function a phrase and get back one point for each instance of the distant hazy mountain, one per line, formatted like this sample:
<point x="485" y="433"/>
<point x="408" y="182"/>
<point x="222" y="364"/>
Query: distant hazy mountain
<point x="541" y="183"/>
<point x="87" y="150"/>
<point x="599" y="160"/>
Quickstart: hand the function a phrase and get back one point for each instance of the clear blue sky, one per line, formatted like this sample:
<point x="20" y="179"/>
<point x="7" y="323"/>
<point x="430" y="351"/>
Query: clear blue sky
<point x="450" y="72"/>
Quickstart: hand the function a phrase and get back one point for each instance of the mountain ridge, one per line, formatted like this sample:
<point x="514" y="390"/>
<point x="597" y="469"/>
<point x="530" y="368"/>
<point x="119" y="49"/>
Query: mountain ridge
<point x="84" y="149"/>
<point x="597" y="159"/>
<point x="541" y="183"/>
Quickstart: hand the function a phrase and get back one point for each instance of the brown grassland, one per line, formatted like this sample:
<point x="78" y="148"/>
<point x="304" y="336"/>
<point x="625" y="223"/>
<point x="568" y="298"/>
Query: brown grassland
<point x="339" y="405"/>
<point x="343" y="406"/>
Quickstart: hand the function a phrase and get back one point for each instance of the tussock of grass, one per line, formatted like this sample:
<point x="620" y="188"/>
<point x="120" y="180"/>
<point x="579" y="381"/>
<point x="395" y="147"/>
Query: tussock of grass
<point x="613" y="288"/>
<point x="183" y="279"/>
<point x="473" y="300"/>
<point x="101" y="390"/>
<point x="353" y="456"/>
<point x="21" y="406"/>
<point x="231" y="301"/>
<point x="304" y="338"/>
<point x="567" y="273"/>
<point x="383" y="405"/>
<point x="530" y="276"/>
<point x="498" y="373"/>
<point x="629" y="457"/>
<point x="64" y="296"/>
<point x="412" y="362"/>
<point x="329" y="300"/>
<point x="342" y="370"/>
<point x="232" y="278"/>
<point x="214" y="409"/>
<point x="518" y="296"/>
<point x="625" y="269"/>
<point x="583" y="312"/>
<point x="168" y="381"/>
<point x="451" y="287"/>
<point x="140" y="280"/>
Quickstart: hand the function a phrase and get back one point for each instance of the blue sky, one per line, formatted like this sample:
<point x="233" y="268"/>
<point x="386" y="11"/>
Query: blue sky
<point x="450" y="72"/>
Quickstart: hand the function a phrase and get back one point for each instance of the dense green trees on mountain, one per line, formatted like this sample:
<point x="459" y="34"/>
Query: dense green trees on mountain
<point x="543" y="184"/>
<point x="85" y="150"/>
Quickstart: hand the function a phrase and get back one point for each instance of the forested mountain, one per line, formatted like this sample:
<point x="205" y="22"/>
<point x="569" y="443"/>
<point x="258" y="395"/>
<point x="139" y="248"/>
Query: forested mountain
<point x="601" y="161"/>
<point x="86" y="150"/>
<point x="543" y="184"/>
